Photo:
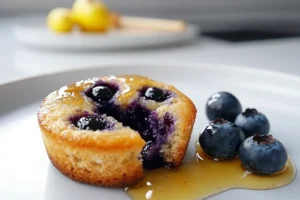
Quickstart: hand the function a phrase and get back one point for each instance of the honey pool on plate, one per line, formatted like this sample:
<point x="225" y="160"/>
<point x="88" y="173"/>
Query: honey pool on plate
<point x="199" y="178"/>
<point x="203" y="177"/>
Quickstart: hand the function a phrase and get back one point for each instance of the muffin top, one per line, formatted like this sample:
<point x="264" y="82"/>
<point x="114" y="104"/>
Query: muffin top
<point x="115" y="112"/>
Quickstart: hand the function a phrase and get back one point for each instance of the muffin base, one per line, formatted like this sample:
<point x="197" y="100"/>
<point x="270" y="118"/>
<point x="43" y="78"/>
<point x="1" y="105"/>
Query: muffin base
<point x="85" y="165"/>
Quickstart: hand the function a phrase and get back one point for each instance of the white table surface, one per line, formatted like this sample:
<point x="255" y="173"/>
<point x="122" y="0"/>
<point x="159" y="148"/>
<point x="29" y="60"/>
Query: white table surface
<point x="17" y="61"/>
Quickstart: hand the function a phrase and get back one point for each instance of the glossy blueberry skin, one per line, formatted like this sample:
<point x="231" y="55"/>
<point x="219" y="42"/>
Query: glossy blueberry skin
<point x="94" y="123"/>
<point x="221" y="139"/>
<point x="263" y="154"/>
<point x="155" y="94"/>
<point x="223" y="105"/>
<point x="102" y="94"/>
<point x="253" y="122"/>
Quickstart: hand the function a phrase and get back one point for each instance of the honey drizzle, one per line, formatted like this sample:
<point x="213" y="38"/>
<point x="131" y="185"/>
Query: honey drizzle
<point x="197" y="179"/>
<point x="72" y="94"/>
<point x="203" y="177"/>
<point x="130" y="85"/>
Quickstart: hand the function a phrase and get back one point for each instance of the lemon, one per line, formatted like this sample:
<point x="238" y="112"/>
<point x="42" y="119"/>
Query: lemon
<point x="59" y="20"/>
<point x="91" y="15"/>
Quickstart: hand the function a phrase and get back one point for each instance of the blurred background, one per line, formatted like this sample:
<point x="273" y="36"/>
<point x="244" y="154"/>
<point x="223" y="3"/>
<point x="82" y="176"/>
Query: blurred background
<point x="260" y="34"/>
<point x="211" y="15"/>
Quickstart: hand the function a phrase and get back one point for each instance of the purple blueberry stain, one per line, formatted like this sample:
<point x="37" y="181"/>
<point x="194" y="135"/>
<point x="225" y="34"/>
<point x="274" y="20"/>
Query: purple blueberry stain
<point x="161" y="129"/>
<point x="74" y="119"/>
<point x="154" y="129"/>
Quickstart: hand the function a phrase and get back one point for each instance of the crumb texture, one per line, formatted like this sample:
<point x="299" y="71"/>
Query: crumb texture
<point x="141" y="130"/>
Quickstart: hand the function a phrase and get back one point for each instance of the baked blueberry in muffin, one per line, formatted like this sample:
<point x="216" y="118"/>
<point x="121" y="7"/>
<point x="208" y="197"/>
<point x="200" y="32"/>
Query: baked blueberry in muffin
<point x="106" y="131"/>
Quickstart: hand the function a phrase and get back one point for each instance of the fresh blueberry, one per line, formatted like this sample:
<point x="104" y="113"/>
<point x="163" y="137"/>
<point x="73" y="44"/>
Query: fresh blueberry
<point x="155" y="94"/>
<point x="263" y="154"/>
<point x="253" y="122"/>
<point x="223" y="105"/>
<point x="94" y="123"/>
<point x="221" y="139"/>
<point x="102" y="94"/>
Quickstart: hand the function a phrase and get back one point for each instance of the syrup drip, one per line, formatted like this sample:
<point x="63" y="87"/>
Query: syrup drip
<point x="72" y="94"/>
<point x="199" y="178"/>
<point x="203" y="177"/>
<point x="131" y="85"/>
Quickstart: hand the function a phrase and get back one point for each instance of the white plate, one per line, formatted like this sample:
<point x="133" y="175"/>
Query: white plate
<point x="26" y="173"/>
<point x="39" y="36"/>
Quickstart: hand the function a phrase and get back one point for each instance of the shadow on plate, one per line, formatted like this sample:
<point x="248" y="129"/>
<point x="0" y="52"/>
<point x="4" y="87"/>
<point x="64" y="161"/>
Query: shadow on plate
<point x="60" y="187"/>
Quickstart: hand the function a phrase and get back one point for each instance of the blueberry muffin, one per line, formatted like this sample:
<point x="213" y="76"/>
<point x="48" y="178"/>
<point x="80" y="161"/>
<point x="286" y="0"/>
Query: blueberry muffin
<point x="106" y="131"/>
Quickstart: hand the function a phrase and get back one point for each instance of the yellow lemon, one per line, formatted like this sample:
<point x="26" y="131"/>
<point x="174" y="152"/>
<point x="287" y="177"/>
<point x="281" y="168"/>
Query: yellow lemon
<point x="59" y="20"/>
<point x="91" y="15"/>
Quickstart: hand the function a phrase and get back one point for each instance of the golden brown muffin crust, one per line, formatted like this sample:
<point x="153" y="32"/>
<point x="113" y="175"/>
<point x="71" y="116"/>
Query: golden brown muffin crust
<point x="109" y="157"/>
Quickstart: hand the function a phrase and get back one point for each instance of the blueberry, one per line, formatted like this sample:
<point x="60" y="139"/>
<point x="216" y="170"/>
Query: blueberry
<point x="155" y="94"/>
<point x="263" y="154"/>
<point x="253" y="122"/>
<point x="147" y="135"/>
<point x="94" y="123"/>
<point x="136" y="117"/>
<point x="102" y="94"/>
<point x="223" y="105"/>
<point x="221" y="139"/>
<point x="151" y="158"/>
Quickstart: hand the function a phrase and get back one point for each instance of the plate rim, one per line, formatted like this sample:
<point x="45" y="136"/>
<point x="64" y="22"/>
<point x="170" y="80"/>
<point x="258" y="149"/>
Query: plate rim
<point x="180" y="64"/>
<point x="23" y="35"/>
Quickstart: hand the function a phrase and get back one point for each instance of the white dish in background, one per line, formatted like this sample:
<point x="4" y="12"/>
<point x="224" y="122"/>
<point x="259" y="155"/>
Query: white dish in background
<point x="26" y="172"/>
<point x="39" y="36"/>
